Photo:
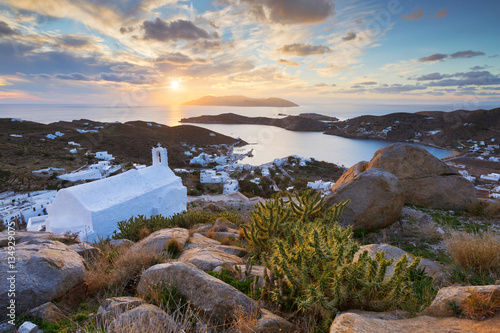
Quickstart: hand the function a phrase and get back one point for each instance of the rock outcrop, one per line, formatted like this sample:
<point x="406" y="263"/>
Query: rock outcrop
<point x="48" y="312"/>
<point x="143" y="318"/>
<point x="216" y="300"/>
<point x="377" y="198"/>
<point x="45" y="270"/>
<point x="372" y="322"/>
<point x="207" y="259"/>
<point x="442" y="304"/>
<point x="112" y="307"/>
<point x="427" y="181"/>
<point x="159" y="240"/>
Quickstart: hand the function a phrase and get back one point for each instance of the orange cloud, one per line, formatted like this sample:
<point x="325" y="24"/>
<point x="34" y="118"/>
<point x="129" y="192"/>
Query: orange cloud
<point x="441" y="14"/>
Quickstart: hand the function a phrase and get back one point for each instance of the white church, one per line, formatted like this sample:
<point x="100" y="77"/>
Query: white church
<point x="93" y="209"/>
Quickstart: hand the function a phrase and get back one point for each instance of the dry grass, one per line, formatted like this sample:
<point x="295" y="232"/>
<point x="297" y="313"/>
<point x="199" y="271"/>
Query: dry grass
<point x="143" y="233"/>
<point x="425" y="231"/>
<point x="211" y="234"/>
<point x="479" y="306"/>
<point x="244" y="322"/>
<point x="118" y="269"/>
<point x="479" y="252"/>
<point x="485" y="208"/>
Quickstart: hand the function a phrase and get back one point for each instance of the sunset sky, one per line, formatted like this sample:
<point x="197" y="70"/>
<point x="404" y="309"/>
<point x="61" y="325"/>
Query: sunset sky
<point x="309" y="51"/>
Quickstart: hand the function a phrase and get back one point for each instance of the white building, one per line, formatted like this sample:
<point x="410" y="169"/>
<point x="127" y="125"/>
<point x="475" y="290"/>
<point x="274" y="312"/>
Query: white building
<point x="94" y="209"/>
<point x="321" y="185"/>
<point x="266" y="172"/>
<point x="492" y="176"/>
<point x="25" y="206"/>
<point x="103" y="155"/>
<point x="99" y="170"/>
<point x="231" y="186"/>
<point x="466" y="175"/>
<point x="211" y="177"/>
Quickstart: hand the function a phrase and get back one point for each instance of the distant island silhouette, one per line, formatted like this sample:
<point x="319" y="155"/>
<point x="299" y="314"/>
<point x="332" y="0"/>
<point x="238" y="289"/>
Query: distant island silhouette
<point x="241" y="101"/>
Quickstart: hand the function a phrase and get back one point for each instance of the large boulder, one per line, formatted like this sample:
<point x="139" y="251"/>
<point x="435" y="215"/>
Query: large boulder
<point x="207" y="259"/>
<point x="43" y="270"/>
<point x="199" y="241"/>
<point x="158" y="241"/>
<point x="377" y="198"/>
<point x="47" y="312"/>
<point x="364" y="322"/>
<point x="218" y="301"/>
<point x="270" y="323"/>
<point x="427" y="181"/>
<point x="144" y="318"/>
<point x="112" y="307"/>
<point x="26" y="236"/>
<point x="453" y="297"/>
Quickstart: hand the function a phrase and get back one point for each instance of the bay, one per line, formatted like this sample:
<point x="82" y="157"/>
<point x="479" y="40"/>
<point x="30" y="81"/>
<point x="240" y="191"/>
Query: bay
<point x="267" y="142"/>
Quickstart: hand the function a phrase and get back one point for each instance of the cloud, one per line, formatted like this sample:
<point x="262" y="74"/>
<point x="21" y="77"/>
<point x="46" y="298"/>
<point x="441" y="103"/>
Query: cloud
<point x="441" y="14"/>
<point x="72" y="76"/>
<point x="319" y="85"/>
<point x="466" y="54"/>
<point x="175" y="30"/>
<point x="204" y="45"/>
<point x="126" y="78"/>
<point x="429" y="77"/>
<point x="368" y="83"/>
<point x="456" y="55"/>
<point x="349" y="36"/>
<point x="291" y="11"/>
<point x="175" y="58"/>
<point x="478" y="68"/>
<point x="398" y="88"/>
<point x="433" y="57"/>
<point x="288" y="62"/>
<point x="302" y="49"/>
<point x="5" y="30"/>
<point x="474" y="78"/>
<point x="413" y="16"/>
<point x="75" y="41"/>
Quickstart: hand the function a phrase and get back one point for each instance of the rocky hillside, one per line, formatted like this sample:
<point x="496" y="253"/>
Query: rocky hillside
<point x="24" y="146"/>
<point x="292" y="123"/>
<point x="444" y="129"/>
<point x="241" y="101"/>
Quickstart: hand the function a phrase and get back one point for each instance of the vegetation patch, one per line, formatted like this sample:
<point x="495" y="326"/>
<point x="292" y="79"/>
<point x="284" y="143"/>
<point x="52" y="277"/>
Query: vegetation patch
<point x="131" y="228"/>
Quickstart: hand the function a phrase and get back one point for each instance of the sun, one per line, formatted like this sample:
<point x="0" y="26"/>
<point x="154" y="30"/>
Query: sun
<point x="174" y="85"/>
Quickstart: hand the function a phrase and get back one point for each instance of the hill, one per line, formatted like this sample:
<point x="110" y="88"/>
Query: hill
<point x="24" y="146"/>
<point x="240" y="101"/>
<point x="292" y="123"/>
<point x="444" y="129"/>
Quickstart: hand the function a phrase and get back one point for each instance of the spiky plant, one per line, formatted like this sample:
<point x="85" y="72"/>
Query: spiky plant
<point x="311" y="260"/>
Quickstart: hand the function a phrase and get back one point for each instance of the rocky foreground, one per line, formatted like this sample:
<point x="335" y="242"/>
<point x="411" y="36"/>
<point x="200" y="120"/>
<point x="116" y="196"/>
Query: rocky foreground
<point x="58" y="273"/>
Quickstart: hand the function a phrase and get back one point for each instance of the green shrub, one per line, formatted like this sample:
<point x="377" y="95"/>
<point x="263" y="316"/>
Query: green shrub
<point x="311" y="261"/>
<point x="245" y="285"/>
<point x="130" y="229"/>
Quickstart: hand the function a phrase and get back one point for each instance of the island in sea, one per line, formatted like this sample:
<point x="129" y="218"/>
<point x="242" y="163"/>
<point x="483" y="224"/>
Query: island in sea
<point x="241" y="101"/>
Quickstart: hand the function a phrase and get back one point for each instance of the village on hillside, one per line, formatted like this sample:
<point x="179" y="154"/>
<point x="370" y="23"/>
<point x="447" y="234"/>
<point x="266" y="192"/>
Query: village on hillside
<point x="215" y="170"/>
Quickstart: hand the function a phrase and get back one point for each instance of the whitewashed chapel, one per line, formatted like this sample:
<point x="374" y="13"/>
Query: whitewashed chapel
<point x="93" y="209"/>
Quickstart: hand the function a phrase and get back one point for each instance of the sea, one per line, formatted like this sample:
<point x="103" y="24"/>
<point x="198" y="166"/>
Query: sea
<point x="266" y="142"/>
